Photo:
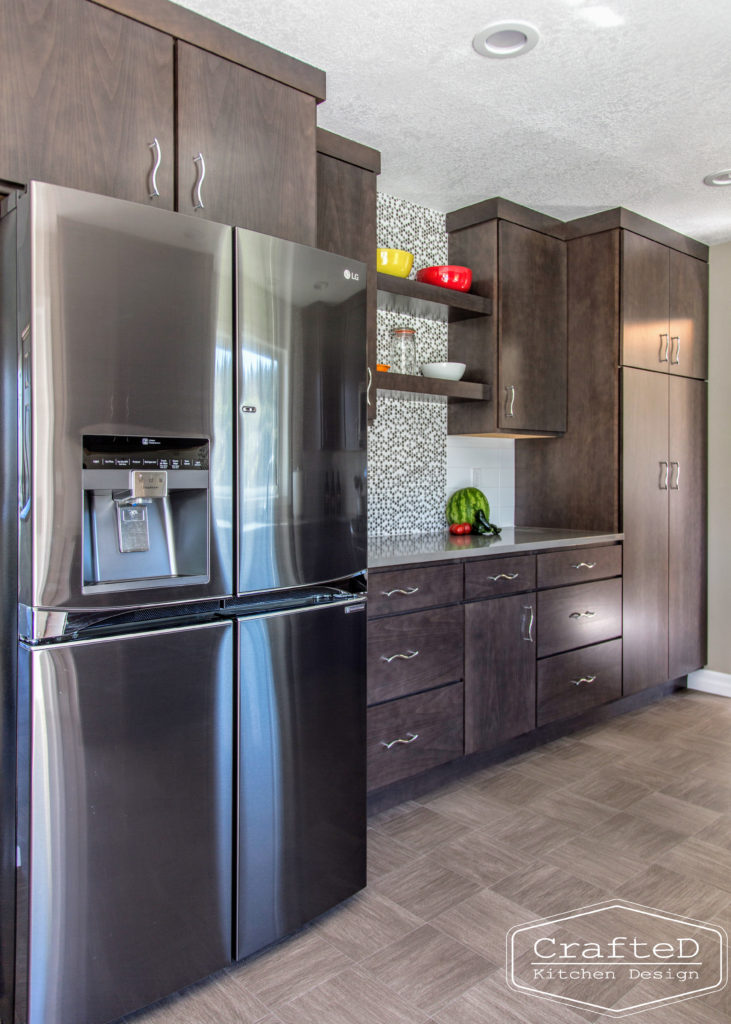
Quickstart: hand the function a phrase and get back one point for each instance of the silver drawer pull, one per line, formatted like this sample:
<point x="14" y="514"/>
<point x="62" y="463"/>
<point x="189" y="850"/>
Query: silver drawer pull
<point x="526" y="623"/>
<point x="412" y="736"/>
<point x="583" y="679"/>
<point x="504" y="576"/>
<point x="674" y="362"/>
<point x="198" y="203"/>
<point x="407" y="593"/>
<point x="664" y="347"/>
<point x="582" y="615"/>
<point x="583" y="565"/>
<point x="154" y="192"/>
<point x="406" y="657"/>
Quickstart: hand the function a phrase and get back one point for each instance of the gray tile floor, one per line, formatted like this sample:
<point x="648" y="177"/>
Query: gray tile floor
<point x="639" y="808"/>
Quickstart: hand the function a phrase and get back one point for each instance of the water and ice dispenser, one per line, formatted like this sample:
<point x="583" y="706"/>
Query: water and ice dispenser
<point x="145" y="510"/>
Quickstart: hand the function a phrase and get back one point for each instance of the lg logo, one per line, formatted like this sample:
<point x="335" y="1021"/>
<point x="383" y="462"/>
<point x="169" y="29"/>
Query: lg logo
<point x="350" y="275"/>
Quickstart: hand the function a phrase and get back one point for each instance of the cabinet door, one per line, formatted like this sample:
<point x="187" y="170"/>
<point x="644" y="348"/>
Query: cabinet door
<point x="645" y="481"/>
<point x="688" y="316"/>
<point x="85" y="93"/>
<point x="532" y="330"/>
<point x="246" y="148"/>
<point x="346" y="224"/>
<point x="687" y="547"/>
<point x="645" y="295"/>
<point x="500" y="670"/>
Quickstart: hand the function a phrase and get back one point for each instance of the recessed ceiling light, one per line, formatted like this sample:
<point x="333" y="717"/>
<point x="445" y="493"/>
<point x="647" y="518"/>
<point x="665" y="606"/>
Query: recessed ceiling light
<point x="719" y="178"/>
<point x="506" y="39"/>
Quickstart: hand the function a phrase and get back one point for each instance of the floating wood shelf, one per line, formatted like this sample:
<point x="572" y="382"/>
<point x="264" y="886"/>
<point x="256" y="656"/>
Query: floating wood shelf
<point x="432" y="386"/>
<point x="400" y="295"/>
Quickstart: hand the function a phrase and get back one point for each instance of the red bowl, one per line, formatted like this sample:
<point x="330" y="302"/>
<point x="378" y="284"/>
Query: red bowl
<point x="459" y="278"/>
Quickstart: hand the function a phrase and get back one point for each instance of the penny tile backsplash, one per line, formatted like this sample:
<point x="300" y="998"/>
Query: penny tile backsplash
<point x="412" y="464"/>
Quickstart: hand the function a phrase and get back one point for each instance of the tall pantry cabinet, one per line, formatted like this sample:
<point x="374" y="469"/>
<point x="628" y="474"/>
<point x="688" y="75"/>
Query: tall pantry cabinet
<point x="634" y="454"/>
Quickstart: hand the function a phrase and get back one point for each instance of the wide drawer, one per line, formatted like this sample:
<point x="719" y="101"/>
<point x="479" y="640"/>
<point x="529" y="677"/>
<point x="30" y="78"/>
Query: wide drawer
<point x="556" y="568"/>
<point x="410" y="735"/>
<point x="578" y="616"/>
<point x="414" y="652"/>
<point x="405" y="590"/>
<point x="571" y="683"/>
<point x="495" y="577"/>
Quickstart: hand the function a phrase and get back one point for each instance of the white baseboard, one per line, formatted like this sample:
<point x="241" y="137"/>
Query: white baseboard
<point x="708" y="681"/>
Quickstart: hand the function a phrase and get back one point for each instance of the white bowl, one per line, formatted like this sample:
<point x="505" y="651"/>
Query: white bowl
<point x="445" y="371"/>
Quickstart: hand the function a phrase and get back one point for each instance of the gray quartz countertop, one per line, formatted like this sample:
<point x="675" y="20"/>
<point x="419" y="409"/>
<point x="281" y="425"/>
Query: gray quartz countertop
<point x="423" y="548"/>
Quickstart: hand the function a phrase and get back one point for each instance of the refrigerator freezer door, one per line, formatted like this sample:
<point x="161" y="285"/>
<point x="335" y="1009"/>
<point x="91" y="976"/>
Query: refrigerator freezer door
<point x="301" y="414"/>
<point x="131" y="819"/>
<point x="126" y="317"/>
<point x="302" y="784"/>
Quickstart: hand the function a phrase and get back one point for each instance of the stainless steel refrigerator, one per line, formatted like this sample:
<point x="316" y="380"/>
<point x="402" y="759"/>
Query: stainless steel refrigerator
<point x="135" y="668"/>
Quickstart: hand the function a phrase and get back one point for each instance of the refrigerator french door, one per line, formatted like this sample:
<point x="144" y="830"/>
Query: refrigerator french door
<point x="302" y="784"/>
<point x="125" y="851"/>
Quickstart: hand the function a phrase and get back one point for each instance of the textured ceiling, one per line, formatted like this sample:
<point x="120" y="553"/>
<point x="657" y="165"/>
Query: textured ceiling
<point x="634" y="114"/>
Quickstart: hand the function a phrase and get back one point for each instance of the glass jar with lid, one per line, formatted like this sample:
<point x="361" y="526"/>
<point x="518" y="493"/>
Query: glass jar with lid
<point x="402" y="355"/>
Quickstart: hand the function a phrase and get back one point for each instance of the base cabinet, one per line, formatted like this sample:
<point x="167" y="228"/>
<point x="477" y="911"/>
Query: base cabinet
<point x="500" y="670"/>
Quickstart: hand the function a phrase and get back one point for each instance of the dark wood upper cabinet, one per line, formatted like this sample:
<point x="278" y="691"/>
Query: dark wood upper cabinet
<point x="346" y="219"/>
<point x="85" y="92"/>
<point x="519" y="262"/>
<point x="500" y="670"/>
<point x="688" y="324"/>
<point x="664" y="308"/>
<point x="246" y="148"/>
<point x="687" y="490"/>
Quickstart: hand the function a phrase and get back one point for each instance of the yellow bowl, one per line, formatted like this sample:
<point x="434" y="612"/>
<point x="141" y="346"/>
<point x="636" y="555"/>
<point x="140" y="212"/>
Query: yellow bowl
<point x="394" y="261"/>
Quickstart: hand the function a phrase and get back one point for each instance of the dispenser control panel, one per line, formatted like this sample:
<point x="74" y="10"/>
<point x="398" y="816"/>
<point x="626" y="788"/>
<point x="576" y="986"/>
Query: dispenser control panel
<point x="144" y="453"/>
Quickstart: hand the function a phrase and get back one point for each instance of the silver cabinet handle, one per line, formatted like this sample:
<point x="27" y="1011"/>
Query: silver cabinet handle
<point x="583" y="679"/>
<point x="407" y="593"/>
<point x="663" y="482"/>
<point x="155" y="147"/>
<point x="412" y="736"/>
<point x="675" y="486"/>
<point x="582" y="615"/>
<point x="406" y="657"/>
<point x="583" y="565"/>
<point x="368" y="389"/>
<point x="676" y="339"/>
<point x="664" y="348"/>
<point x="509" y="399"/>
<point x="526" y="631"/>
<point x="197" y="197"/>
<point x="504" y="576"/>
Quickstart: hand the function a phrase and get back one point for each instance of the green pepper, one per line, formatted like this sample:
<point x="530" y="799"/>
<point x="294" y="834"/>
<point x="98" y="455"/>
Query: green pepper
<point x="481" y="525"/>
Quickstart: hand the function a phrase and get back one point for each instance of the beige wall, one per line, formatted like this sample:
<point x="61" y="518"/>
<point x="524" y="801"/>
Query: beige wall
<point x="719" y="461"/>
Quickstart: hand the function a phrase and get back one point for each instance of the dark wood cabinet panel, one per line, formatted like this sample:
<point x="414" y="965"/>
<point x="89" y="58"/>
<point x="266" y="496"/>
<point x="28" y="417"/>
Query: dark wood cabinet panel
<point x="571" y="683"/>
<point x="531" y="330"/>
<point x="408" y="653"/>
<point x="645" y="481"/>
<point x="688" y="324"/>
<point x="346" y="224"/>
<point x="85" y="92"/>
<point x="410" y="735"/>
<point x="257" y="139"/>
<point x="572" y="481"/>
<point x="645" y="340"/>
<point x="405" y="590"/>
<point x="500" y="670"/>
<point x="570" y="617"/>
<point x="687" y="533"/>
<point x="493" y="577"/>
<point x="578" y="565"/>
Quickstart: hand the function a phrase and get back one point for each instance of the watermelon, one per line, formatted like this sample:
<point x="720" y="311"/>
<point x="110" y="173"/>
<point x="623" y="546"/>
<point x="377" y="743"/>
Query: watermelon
<point x="463" y="505"/>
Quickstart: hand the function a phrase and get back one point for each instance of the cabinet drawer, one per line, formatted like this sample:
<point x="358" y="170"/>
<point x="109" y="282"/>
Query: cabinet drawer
<point x="556" y="568"/>
<point x="493" y="577"/>
<point x="405" y="590"/>
<point x="410" y="735"/>
<point x="571" y="683"/>
<point x="578" y="616"/>
<point x="407" y="653"/>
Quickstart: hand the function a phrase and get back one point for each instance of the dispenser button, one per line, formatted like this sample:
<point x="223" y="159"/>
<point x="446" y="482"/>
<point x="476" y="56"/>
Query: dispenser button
<point x="108" y="463"/>
<point x="122" y="463"/>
